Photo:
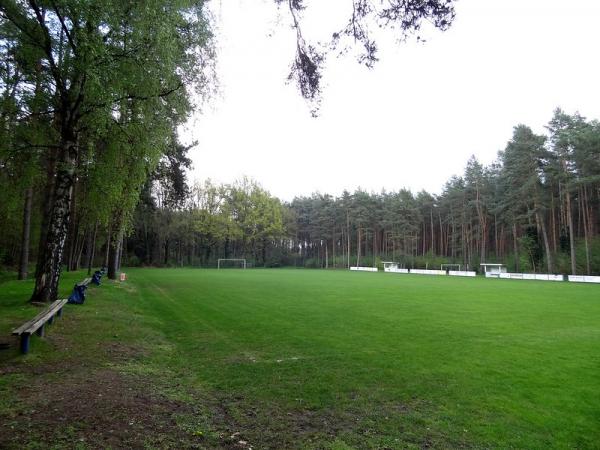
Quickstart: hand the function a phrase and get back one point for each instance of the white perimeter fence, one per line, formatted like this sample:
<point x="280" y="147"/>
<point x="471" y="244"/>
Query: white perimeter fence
<point x="365" y="269"/>
<point x="584" y="279"/>
<point x="427" y="272"/>
<point x="509" y="276"/>
<point x="461" y="273"/>
<point x="454" y="273"/>
<point x="525" y="276"/>
<point x="395" y="270"/>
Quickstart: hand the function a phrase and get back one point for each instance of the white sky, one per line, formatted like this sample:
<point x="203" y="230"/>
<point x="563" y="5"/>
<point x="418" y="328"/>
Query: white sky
<point x="412" y="121"/>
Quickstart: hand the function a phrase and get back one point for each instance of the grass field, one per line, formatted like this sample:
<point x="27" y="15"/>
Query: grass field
<point x="307" y="359"/>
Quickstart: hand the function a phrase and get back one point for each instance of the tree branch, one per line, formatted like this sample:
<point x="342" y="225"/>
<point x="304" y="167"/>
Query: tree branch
<point x="64" y="27"/>
<point x="48" y="49"/>
<point x="135" y="97"/>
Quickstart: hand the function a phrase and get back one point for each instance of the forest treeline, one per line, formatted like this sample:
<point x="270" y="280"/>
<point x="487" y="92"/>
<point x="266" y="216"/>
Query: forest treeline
<point x="535" y="209"/>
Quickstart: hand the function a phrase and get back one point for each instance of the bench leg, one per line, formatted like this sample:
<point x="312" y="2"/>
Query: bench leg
<point x="24" y="343"/>
<point x="40" y="331"/>
<point x="50" y="320"/>
<point x="59" y="312"/>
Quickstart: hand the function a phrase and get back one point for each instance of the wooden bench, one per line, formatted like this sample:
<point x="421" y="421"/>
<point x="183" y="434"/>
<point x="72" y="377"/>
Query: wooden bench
<point x="85" y="282"/>
<point x="36" y="325"/>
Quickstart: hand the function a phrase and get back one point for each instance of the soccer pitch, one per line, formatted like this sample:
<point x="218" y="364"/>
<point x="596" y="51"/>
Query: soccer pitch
<point x="338" y="359"/>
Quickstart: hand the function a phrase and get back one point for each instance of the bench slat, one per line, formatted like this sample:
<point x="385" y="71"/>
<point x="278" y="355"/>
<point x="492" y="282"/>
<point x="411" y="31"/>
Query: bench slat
<point x="32" y="325"/>
<point x="85" y="282"/>
<point x="27" y="324"/>
<point x="46" y="317"/>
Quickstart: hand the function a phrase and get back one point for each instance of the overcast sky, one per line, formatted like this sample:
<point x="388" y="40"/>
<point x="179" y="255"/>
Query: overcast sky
<point x="413" y="120"/>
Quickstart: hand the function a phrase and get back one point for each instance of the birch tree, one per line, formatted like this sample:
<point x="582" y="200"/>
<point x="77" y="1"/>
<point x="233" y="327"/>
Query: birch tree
<point x="96" y="59"/>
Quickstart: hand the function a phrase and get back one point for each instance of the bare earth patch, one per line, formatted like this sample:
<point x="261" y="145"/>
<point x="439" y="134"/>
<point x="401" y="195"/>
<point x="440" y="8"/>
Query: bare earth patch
<point x="100" y="409"/>
<point x="80" y="401"/>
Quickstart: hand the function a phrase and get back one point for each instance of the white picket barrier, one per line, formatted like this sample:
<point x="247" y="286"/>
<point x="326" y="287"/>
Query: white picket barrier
<point x="531" y="276"/>
<point x="364" y="269"/>
<point x="395" y="270"/>
<point x="511" y="276"/>
<point x="461" y="273"/>
<point x="584" y="279"/>
<point x="428" y="272"/>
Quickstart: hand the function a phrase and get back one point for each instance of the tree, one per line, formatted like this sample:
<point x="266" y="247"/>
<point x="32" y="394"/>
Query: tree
<point x="478" y="193"/>
<point x="100" y="61"/>
<point x="586" y="156"/>
<point x="561" y="128"/>
<point x="575" y="144"/>
<point x="523" y="164"/>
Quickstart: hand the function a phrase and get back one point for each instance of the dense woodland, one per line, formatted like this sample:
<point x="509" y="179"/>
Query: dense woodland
<point x="534" y="209"/>
<point x="92" y="172"/>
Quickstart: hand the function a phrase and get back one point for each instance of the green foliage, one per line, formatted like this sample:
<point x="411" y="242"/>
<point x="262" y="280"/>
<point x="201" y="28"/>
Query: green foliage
<point x="594" y="254"/>
<point x="234" y="220"/>
<point x="114" y="79"/>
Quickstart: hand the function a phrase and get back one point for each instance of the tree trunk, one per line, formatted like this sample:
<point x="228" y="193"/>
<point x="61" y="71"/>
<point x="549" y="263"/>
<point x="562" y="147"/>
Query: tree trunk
<point x="542" y="226"/>
<point x="586" y="228"/>
<point x="26" y="234"/>
<point x="121" y="244"/>
<point x="348" y="236"/>
<point x="516" y="248"/>
<point x="333" y="242"/>
<point x="51" y="258"/>
<point x="113" y="255"/>
<point x="109" y="236"/>
<point x="553" y="223"/>
<point x="432" y="232"/>
<point x="47" y="202"/>
<point x="72" y="233"/>
<point x="374" y="255"/>
<point x="148" y="255"/>
<point x="496" y="241"/>
<point x="571" y="231"/>
<point x="358" y="249"/>
<point x="424" y="235"/>
<point x="443" y="250"/>
<point x="92" y="249"/>
<point x="79" y="252"/>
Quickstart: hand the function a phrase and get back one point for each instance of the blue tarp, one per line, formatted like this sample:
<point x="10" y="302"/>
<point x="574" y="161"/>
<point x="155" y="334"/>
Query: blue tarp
<point x="97" y="277"/>
<point x="77" y="297"/>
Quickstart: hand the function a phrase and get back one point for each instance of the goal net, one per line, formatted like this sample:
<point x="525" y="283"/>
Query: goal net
<point x="231" y="263"/>
<point x="450" y="267"/>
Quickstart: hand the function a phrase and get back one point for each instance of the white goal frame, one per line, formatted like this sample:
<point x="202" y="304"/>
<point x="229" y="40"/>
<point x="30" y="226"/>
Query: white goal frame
<point x="231" y="259"/>
<point x="443" y="266"/>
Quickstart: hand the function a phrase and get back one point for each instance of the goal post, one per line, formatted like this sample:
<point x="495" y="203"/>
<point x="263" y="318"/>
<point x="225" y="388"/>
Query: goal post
<point x="450" y="267"/>
<point x="236" y="263"/>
